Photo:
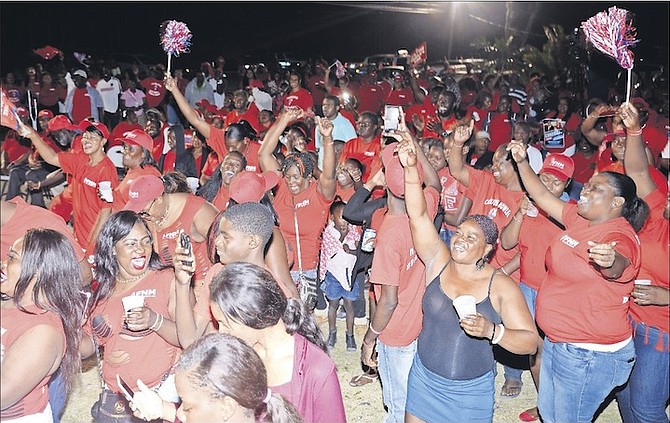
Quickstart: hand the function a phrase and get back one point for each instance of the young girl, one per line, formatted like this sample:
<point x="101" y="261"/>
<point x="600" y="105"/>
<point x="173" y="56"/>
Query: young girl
<point x="336" y="263"/>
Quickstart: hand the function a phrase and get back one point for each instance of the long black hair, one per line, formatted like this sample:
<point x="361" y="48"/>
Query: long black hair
<point x="117" y="227"/>
<point x="250" y="295"/>
<point x="635" y="210"/>
<point x="49" y="258"/>
<point x="209" y="190"/>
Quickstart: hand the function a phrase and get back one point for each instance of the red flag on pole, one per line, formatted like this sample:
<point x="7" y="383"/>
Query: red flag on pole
<point x="48" y="52"/>
<point x="419" y="55"/>
<point x="8" y="115"/>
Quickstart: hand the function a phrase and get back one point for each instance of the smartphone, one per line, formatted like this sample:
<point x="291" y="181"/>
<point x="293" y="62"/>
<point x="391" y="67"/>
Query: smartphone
<point x="125" y="388"/>
<point x="391" y="118"/>
<point x="185" y="241"/>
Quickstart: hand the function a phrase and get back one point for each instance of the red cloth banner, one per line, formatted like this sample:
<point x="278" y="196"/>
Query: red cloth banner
<point x="419" y="55"/>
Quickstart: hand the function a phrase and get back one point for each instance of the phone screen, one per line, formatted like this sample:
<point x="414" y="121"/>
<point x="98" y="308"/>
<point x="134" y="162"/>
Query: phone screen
<point x="391" y="118"/>
<point x="125" y="388"/>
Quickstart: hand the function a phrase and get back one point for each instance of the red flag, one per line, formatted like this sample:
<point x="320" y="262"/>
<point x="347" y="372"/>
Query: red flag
<point x="48" y="52"/>
<point x="419" y="55"/>
<point x="8" y="115"/>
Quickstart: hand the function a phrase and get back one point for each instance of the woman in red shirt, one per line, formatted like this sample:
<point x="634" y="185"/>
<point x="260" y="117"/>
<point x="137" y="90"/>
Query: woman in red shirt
<point x="588" y="350"/>
<point x="42" y="313"/>
<point x="301" y="202"/>
<point x="645" y="396"/>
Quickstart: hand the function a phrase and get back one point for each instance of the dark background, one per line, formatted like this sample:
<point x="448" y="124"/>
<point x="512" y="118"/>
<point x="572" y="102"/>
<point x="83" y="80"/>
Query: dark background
<point x="344" y="30"/>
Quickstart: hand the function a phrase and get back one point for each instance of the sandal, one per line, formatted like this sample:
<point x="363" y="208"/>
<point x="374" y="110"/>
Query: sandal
<point x="530" y="415"/>
<point x="363" y="379"/>
<point x="511" y="388"/>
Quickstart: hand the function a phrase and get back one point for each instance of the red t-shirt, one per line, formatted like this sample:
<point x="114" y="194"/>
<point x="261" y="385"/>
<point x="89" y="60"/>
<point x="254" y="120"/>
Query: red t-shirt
<point x="211" y="164"/>
<point x="81" y="105"/>
<point x="312" y="211"/>
<point x="370" y="98"/>
<point x="169" y="161"/>
<point x="479" y="116"/>
<point x="655" y="138"/>
<point x="121" y="191"/>
<point x="221" y="199"/>
<point x="49" y="96"/>
<point x="85" y="200"/>
<point x="159" y="144"/>
<point x="500" y="129"/>
<point x="536" y="234"/>
<point x="13" y="148"/>
<point x="344" y="193"/>
<point x="155" y="91"/>
<point x="26" y="217"/>
<point x="402" y="97"/>
<point x="302" y="99"/>
<point x="317" y="89"/>
<point x="14" y="324"/>
<point x="165" y="240"/>
<point x="576" y="303"/>
<point x="217" y="141"/>
<point x="395" y="263"/>
<point x="584" y="167"/>
<point x="654" y="240"/>
<point x="451" y="193"/>
<point x="147" y="355"/>
<point x="250" y="115"/>
<point x="364" y="153"/>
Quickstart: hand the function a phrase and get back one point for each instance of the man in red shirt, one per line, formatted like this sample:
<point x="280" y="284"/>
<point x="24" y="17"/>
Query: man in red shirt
<point x="499" y="124"/>
<point x="317" y="87"/>
<point x="400" y="95"/>
<point x="15" y="149"/>
<point x="83" y="101"/>
<point x="370" y="96"/>
<point x="298" y="96"/>
<point x="154" y="89"/>
<point x="242" y="110"/>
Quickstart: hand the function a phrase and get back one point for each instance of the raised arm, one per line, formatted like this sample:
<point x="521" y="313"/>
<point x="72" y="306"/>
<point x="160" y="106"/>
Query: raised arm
<point x="188" y="111"/>
<point x="456" y="166"/>
<point x="266" y="157"/>
<point x="430" y="178"/>
<point x="509" y="237"/>
<point x="535" y="188"/>
<point x="426" y="239"/>
<point x="47" y="153"/>
<point x="594" y="136"/>
<point x="327" y="181"/>
<point x="635" y="157"/>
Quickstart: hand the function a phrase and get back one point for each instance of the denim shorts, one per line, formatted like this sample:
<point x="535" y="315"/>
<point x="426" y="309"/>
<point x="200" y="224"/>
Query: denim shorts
<point x="334" y="290"/>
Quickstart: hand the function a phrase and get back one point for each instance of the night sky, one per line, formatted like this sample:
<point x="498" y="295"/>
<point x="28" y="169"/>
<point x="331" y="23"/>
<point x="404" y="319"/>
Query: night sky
<point x="347" y="31"/>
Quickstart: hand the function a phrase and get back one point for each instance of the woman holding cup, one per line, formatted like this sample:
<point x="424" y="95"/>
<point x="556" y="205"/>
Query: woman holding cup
<point x="133" y="316"/>
<point x="645" y="396"/>
<point x="453" y="374"/>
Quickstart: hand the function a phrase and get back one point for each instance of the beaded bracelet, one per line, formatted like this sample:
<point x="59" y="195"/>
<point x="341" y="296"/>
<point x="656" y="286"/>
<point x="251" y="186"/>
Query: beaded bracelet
<point x="634" y="133"/>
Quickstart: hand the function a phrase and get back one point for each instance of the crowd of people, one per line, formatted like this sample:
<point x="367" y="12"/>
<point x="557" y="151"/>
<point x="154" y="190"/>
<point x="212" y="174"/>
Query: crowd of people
<point x="202" y="231"/>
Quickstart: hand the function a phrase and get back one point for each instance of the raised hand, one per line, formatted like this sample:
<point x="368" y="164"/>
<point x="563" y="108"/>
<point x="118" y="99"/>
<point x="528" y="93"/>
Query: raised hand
<point x="170" y="83"/>
<point x="325" y="126"/>
<point x="629" y="116"/>
<point x="518" y="149"/>
<point x="462" y="133"/>
<point x="406" y="153"/>
<point x="435" y="126"/>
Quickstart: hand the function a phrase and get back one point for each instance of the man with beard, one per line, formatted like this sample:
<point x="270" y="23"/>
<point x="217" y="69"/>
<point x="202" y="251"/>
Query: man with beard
<point x="343" y="129"/>
<point x="448" y="121"/>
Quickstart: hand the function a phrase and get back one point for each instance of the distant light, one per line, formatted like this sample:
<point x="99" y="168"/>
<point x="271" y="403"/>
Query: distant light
<point x="246" y="66"/>
<point x="403" y="52"/>
<point x="530" y="65"/>
<point x="284" y="64"/>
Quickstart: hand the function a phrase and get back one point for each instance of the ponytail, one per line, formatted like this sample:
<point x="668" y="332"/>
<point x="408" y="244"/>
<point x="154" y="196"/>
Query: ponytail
<point x="634" y="209"/>
<point x="297" y="319"/>
<point x="277" y="410"/>
<point x="636" y="213"/>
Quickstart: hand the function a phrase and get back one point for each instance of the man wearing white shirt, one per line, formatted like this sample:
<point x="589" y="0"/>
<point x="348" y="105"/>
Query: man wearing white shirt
<point x="522" y="133"/>
<point x="342" y="129"/>
<point x="109" y="88"/>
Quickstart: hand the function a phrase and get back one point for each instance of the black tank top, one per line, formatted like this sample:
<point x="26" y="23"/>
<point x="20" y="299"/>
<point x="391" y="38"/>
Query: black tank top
<point x="443" y="347"/>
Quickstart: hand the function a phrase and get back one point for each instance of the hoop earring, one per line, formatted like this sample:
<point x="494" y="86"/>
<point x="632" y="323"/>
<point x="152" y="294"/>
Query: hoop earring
<point x="480" y="264"/>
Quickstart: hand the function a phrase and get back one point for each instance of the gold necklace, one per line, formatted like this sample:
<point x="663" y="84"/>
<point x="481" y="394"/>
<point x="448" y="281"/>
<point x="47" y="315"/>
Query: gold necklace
<point x="133" y="279"/>
<point x="160" y="221"/>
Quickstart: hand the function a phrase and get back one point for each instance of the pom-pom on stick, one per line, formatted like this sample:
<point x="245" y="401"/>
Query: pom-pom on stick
<point x="612" y="33"/>
<point x="175" y="39"/>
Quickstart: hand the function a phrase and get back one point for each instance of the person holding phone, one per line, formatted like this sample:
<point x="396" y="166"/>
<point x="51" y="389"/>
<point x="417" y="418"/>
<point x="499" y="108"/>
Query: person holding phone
<point x="134" y="312"/>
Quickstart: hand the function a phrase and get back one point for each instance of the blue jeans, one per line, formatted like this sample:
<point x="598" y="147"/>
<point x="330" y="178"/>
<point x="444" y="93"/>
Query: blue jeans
<point x="530" y="295"/>
<point x="57" y="395"/>
<point x="576" y="381"/>
<point x="394" y="366"/>
<point x="644" y="397"/>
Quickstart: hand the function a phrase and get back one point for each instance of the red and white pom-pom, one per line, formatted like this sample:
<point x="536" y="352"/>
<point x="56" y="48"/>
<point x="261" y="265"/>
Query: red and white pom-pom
<point x="610" y="33"/>
<point x="175" y="37"/>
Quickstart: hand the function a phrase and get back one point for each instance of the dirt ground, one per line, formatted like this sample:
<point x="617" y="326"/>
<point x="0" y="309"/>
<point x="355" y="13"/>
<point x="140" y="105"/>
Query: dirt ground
<point x="363" y="404"/>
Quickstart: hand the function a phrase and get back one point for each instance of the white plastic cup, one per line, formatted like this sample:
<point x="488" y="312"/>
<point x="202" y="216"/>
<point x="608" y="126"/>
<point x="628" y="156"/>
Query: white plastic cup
<point x="193" y="183"/>
<point x="131" y="302"/>
<point x="642" y="282"/>
<point x="106" y="191"/>
<point x="465" y="305"/>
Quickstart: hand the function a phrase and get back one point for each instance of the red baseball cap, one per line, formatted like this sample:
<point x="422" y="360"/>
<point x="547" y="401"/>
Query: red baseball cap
<point x="394" y="173"/>
<point x="249" y="187"/>
<point x="610" y="136"/>
<point x="137" y="137"/>
<point x="61" y="122"/>
<point x="45" y="113"/>
<point x="559" y="165"/>
<point x="85" y="124"/>
<point x="142" y="191"/>
<point x="22" y="112"/>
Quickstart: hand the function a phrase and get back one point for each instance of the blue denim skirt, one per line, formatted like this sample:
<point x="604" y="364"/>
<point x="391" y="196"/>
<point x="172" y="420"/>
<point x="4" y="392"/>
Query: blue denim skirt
<point x="433" y="398"/>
